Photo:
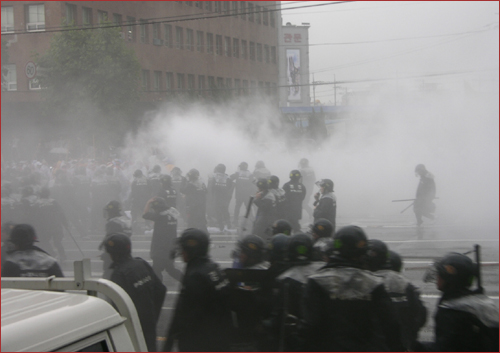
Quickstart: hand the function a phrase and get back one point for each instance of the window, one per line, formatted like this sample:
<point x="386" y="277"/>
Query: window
<point x="266" y="54"/>
<point x="237" y="87"/>
<point x="189" y="3"/>
<point x="157" y="35"/>
<point x="157" y="81"/>
<point x="70" y="19"/>
<point x="199" y="41"/>
<point x="229" y="86"/>
<point x="145" y="80"/>
<point x="210" y="43"/>
<point x="190" y="39"/>
<point x="218" y="44"/>
<point x="244" y="50"/>
<point x="271" y="18"/>
<point x="86" y="16"/>
<point x="243" y="10"/>
<point x="273" y="54"/>
<point x="236" y="47"/>
<point x="180" y="81"/>
<point x="179" y="40"/>
<point x="168" y="36"/>
<point x="201" y="85"/>
<point x="35" y="17"/>
<point x="102" y="16"/>
<point x="258" y="9"/>
<point x="7" y="19"/>
<point x="169" y="81"/>
<point x="211" y="85"/>
<point x="259" y="52"/>
<point x="227" y="46"/>
<point x="208" y="5"/>
<point x="198" y="4"/>
<point x="225" y="6"/>
<point x="191" y="82"/>
<point x="252" y="51"/>
<point x="117" y="19"/>
<point x="144" y="31"/>
<point x="251" y="15"/>
<point x="245" y="86"/>
<point x="265" y="16"/>
<point x="235" y="7"/>
<point x="220" y="82"/>
<point x="10" y="79"/>
<point x="217" y="7"/>
<point x="130" y="29"/>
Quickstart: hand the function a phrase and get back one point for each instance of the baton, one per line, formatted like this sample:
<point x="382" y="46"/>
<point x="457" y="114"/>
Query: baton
<point x="71" y="235"/>
<point x="435" y="198"/>
<point x="477" y="249"/>
<point x="408" y="206"/>
<point x="249" y="208"/>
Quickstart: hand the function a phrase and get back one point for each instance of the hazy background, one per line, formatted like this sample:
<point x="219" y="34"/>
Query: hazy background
<point x="451" y="126"/>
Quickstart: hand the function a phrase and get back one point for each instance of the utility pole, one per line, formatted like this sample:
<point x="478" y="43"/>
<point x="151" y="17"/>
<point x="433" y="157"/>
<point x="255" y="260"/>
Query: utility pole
<point x="314" y="92"/>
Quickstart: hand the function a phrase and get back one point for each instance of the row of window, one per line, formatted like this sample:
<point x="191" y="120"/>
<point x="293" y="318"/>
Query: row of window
<point x="34" y="15"/>
<point x="204" y="85"/>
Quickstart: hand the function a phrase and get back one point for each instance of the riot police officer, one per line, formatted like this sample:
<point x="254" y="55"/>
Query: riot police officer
<point x="243" y="188"/>
<point x="265" y="202"/>
<point x="195" y="192"/>
<point x="295" y="193"/>
<point x="139" y="195"/>
<point x="321" y="232"/>
<point x="325" y="205"/>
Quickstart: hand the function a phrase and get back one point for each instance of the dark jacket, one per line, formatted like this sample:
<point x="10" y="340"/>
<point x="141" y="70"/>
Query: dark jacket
<point x="348" y="309"/>
<point x="164" y="232"/>
<point x="295" y="193"/>
<point x="147" y="292"/>
<point x="201" y="320"/>
<point x="243" y="184"/>
<point x="266" y="211"/>
<point x="31" y="262"/>
<point x="196" y="207"/>
<point x="326" y="207"/>
<point x="464" y="322"/>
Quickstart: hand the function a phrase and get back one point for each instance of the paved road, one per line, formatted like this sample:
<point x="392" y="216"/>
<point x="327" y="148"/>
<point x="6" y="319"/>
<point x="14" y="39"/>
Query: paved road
<point x="419" y="247"/>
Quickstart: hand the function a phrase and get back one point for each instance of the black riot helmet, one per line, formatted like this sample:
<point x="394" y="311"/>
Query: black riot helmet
<point x="166" y="181"/>
<point x="23" y="236"/>
<point x="457" y="270"/>
<point x="193" y="175"/>
<point x="220" y="168"/>
<point x="194" y="242"/>
<point x="159" y="204"/>
<point x="176" y="171"/>
<point x="274" y="182"/>
<point x="259" y="164"/>
<point x="253" y="247"/>
<point x="118" y="245"/>
<point x="325" y="183"/>
<point x="243" y="166"/>
<point x="262" y="184"/>
<point x="282" y="226"/>
<point x="300" y="248"/>
<point x="350" y="242"/>
<point x="112" y="209"/>
<point x="278" y="247"/>
<point x="377" y="255"/>
<point x="303" y="163"/>
<point x="322" y="228"/>
<point x="138" y="173"/>
<point x="295" y="174"/>
<point x="156" y="169"/>
<point x="395" y="262"/>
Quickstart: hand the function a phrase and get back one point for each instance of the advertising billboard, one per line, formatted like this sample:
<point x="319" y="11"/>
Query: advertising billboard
<point x="293" y="74"/>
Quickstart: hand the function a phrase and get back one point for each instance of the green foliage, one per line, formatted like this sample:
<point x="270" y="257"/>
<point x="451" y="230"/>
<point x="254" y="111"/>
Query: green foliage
<point x="90" y="77"/>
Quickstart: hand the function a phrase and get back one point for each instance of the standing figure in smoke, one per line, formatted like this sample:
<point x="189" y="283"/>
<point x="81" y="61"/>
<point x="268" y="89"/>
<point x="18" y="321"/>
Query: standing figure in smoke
<point x="179" y="183"/>
<point x="261" y="171"/>
<point x="139" y="196"/>
<point x="195" y="192"/>
<point x="154" y="180"/>
<point x="426" y="192"/>
<point x="266" y="204"/>
<point x="308" y="178"/>
<point x="279" y="195"/>
<point x="243" y="188"/>
<point x="220" y="187"/>
<point x="325" y="205"/>
<point x="295" y="193"/>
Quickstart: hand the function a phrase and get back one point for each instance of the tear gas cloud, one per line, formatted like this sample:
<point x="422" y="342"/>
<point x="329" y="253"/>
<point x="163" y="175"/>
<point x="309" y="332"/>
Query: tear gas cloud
<point x="371" y="157"/>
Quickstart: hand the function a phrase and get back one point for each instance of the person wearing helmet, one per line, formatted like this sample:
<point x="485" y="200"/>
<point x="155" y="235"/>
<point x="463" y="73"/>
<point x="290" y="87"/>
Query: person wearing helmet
<point x="179" y="182"/>
<point x="307" y="178"/>
<point x="251" y="252"/>
<point x="279" y="195"/>
<point x="423" y="206"/>
<point x="195" y="193"/>
<point x="140" y="282"/>
<point x="281" y="226"/>
<point x="164" y="235"/>
<point x="139" y="195"/>
<point x="346" y="307"/>
<point x="243" y="189"/>
<point x="220" y="188"/>
<point x="260" y="171"/>
<point x="325" y="205"/>
<point x="116" y="222"/>
<point x="201" y="321"/>
<point x="295" y="193"/>
<point x="167" y="191"/>
<point x="465" y="320"/>
<point x="25" y="259"/>
<point x="266" y="204"/>
<point x="411" y="313"/>
<point x="154" y="180"/>
<point x="321" y="231"/>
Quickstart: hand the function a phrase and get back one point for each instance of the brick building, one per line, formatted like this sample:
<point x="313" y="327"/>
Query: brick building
<point x="189" y="47"/>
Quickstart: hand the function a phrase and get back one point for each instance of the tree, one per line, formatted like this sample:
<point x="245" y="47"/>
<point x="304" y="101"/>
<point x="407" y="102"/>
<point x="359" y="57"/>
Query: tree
<point x="90" y="79"/>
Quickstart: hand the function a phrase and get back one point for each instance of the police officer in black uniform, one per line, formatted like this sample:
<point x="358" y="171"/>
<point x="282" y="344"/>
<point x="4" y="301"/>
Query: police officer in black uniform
<point x="167" y="191"/>
<point x="423" y="205"/>
<point x="140" y="282"/>
<point x="281" y="226"/>
<point x="321" y="231"/>
<point x="243" y="188"/>
<point x="279" y="195"/>
<point x="26" y="259"/>
<point x="220" y="188"/>
<point x="139" y="195"/>
<point x="465" y="321"/>
<point x="179" y="183"/>
<point x="154" y="180"/>
<point x="201" y="319"/>
<point x="325" y="205"/>
<point x="295" y="193"/>
<point x="195" y="192"/>
<point x="266" y="205"/>
<point x="410" y="311"/>
<point x="346" y="307"/>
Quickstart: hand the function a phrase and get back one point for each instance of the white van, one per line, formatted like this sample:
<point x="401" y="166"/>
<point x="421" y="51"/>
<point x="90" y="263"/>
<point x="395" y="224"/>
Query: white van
<point x="37" y="318"/>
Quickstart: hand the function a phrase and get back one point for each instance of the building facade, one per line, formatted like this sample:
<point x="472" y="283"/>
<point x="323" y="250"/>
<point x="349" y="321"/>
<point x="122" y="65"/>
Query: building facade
<point x="184" y="47"/>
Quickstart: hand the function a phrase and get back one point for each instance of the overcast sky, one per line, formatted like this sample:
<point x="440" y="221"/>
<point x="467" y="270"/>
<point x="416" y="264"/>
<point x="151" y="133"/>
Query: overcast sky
<point x="459" y="36"/>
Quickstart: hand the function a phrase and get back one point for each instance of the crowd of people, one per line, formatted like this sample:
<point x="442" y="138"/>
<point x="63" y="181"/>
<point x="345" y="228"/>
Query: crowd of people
<point x="289" y="288"/>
